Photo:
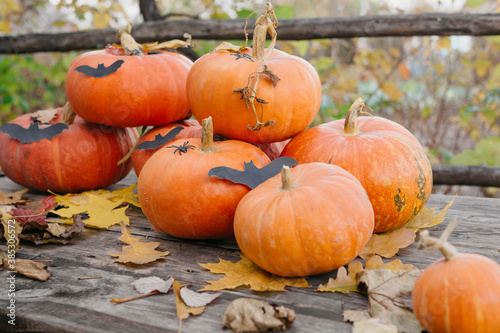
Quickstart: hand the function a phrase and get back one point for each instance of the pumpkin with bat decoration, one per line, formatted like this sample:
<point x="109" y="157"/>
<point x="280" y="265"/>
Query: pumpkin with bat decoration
<point x="52" y="155"/>
<point x="130" y="84"/>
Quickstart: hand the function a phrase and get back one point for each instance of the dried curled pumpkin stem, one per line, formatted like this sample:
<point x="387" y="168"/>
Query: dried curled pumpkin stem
<point x="207" y="135"/>
<point x="287" y="182"/>
<point x="68" y="114"/>
<point x="263" y="26"/>
<point x="130" y="46"/>
<point x="351" y="119"/>
<point x="429" y="244"/>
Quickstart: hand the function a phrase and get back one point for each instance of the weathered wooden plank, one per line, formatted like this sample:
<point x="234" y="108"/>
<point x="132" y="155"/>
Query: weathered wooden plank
<point x="466" y="175"/>
<point x="291" y="29"/>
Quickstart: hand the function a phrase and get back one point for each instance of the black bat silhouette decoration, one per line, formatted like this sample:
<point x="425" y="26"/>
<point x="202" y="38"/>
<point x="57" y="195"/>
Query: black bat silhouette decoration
<point x="252" y="176"/>
<point x="101" y="70"/>
<point x="160" y="140"/>
<point x="33" y="133"/>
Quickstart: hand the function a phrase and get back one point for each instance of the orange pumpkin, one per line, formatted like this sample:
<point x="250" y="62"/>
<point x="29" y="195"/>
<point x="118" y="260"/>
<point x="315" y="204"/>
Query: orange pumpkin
<point x="312" y="219"/>
<point x="179" y="198"/>
<point x="191" y="129"/>
<point x="383" y="155"/>
<point x="148" y="89"/>
<point x="255" y="95"/>
<point x="273" y="150"/>
<point x="458" y="293"/>
<point x="83" y="157"/>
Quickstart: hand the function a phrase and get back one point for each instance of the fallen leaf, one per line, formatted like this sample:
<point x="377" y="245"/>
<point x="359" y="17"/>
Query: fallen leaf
<point x="427" y="218"/>
<point x="373" y="325"/>
<point x="102" y="212"/>
<point x="253" y="315"/>
<point x="226" y="46"/>
<point x="29" y="268"/>
<point x="376" y="262"/>
<point x="386" y="290"/>
<point x="344" y="283"/>
<point x="124" y="195"/>
<point x="388" y="244"/>
<point x="29" y="220"/>
<point x="184" y="311"/>
<point x="136" y="251"/>
<point x="8" y="223"/>
<point x="152" y="283"/>
<point x="194" y="299"/>
<point x="246" y="273"/>
<point x="58" y="234"/>
<point x="13" y="198"/>
<point x="44" y="116"/>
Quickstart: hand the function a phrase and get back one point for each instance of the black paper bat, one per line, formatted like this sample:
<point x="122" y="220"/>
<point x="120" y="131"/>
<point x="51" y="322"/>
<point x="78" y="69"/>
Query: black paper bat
<point x="252" y="176"/>
<point x="33" y="133"/>
<point x="101" y="70"/>
<point x="160" y="140"/>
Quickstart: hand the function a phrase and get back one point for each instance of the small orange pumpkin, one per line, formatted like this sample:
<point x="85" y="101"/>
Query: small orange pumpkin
<point x="458" y="293"/>
<point x="179" y="198"/>
<point x="311" y="219"/>
<point x="383" y="155"/>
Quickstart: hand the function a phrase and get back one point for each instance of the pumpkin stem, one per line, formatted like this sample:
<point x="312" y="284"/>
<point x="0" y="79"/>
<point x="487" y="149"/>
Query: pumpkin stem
<point x="428" y="243"/>
<point x="68" y="114"/>
<point x="263" y="25"/>
<point x="130" y="46"/>
<point x="351" y="119"/>
<point x="287" y="182"/>
<point x="207" y="135"/>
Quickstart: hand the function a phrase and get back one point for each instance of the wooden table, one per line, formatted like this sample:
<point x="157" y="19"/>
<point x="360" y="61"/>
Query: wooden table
<point x="64" y="303"/>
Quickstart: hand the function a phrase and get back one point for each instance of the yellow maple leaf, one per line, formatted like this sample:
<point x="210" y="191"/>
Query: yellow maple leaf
<point x="376" y="262"/>
<point x="246" y="273"/>
<point x="137" y="251"/>
<point x="183" y="311"/>
<point x="388" y="244"/>
<point x="427" y="218"/>
<point x="122" y="195"/>
<point x="344" y="282"/>
<point x="102" y="212"/>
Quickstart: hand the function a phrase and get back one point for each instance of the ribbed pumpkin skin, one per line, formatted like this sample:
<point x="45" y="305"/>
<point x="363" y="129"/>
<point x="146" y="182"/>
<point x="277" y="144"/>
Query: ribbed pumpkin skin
<point x="273" y="150"/>
<point x="318" y="226"/>
<point x="459" y="296"/>
<point x="179" y="198"/>
<point x="293" y="103"/>
<point x="148" y="90"/>
<point x="385" y="157"/>
<point x="83" y="157"/>
<point x="192" y="129"/>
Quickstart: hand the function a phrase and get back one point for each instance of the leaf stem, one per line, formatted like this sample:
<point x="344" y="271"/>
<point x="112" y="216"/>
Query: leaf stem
<point x="123" y="300"/>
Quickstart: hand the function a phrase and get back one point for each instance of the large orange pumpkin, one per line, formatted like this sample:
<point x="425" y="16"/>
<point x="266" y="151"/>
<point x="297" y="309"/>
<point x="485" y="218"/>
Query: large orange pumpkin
<point x="458" y="293"/>
<point x="145" y="90"/>
<point x="309" y="220"/>
<point x="191" y="129"/>
<point x="383" y="155"/>
<point x="287" y="91"/>
<point x="83" y="157"/>
<point x="179" y="198"/>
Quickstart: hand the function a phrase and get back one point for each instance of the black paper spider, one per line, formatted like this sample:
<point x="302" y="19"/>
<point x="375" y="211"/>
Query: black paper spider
<point x="182" y="149"/>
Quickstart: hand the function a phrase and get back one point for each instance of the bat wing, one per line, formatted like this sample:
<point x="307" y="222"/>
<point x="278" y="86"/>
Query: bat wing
<point x="160" y="140"/>
<point x="101" y="70"/>
<point x="272" y="169"/>
<point x="33" y="133"/>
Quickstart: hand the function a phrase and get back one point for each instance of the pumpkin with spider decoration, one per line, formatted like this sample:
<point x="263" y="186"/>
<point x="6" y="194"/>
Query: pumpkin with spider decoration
<point x="181" y="199"/>
<point x="255" y="95"/>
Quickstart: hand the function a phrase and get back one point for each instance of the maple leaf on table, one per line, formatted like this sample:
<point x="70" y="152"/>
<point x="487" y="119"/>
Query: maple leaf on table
<point x="427" y="218"/>
<point x="137" y="251"/>
<point x="246" y="273"/>
<point x="387" y="245"/>
<point x="184" y="311"/>
<point x="13" y="198"/>
<point x="124" y="195"/>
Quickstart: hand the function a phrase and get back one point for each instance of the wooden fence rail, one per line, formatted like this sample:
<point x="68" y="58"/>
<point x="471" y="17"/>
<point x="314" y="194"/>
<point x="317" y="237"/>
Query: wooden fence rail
<point x="292" y="29"/>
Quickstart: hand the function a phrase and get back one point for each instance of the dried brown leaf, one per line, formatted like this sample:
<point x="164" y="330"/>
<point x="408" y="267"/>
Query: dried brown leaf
<point x="152" y="283"/>
<point x="45" y="116"/>
<point x="29" y="268"/>
<point x="14" y="198"/>
<point x="427" y="218"/>
<point x="194" y="299"/>
<point x="344" y="283"/>
<point x="376" y="262"/>
<point x="184" y="311"/>
<point x="388" y="244"/>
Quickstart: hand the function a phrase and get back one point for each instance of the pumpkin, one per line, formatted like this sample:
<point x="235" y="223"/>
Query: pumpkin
<point x="457" y="293"/>
<point x="179" y="198"/>
<point x="82" y="157"/>
<point x="113" y="88"/>
<point x="309" y="220"/>
<point x="191" y="129"/>
<point x="383" y="155"/>
<point x="273" y="149"/>
<point x="255" y="95"/>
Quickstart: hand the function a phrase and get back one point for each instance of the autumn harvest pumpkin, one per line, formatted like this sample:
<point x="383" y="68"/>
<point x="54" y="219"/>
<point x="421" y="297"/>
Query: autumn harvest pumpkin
<point x="83" y="156"/>
<point x="458" y="293"/>
<point x="190" y="129"/>
<point x="255" y="95"/>
<point x="384" y="156"/>
<point x="308" y="220"/>
<point x="179" y="198"/>
<point x="127" y="86"/>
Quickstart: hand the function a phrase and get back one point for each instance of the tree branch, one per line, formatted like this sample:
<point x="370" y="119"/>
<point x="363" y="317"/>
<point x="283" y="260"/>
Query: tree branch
<point x="466" y="175"/>
<point x="296" y="29"/>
